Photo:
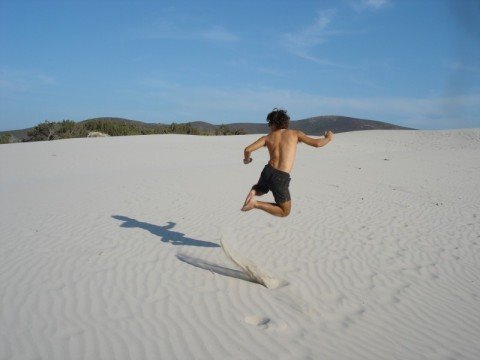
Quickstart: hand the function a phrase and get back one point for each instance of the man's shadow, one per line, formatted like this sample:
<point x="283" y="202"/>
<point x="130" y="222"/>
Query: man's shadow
<point x="164" y="232"/>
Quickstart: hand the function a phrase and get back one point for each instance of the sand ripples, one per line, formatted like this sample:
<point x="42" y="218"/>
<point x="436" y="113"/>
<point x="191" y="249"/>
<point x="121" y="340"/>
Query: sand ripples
<point x="382" y="256"/>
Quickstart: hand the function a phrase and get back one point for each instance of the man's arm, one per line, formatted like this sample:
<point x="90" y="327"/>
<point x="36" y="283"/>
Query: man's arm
<point x="315" y="142"/>
<point x="251" y="148"/>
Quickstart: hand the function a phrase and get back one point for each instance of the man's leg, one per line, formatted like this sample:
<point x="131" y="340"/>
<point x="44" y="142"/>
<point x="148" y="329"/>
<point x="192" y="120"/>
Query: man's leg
<point x="251" y="196"/>
<point x="280" y="210"/>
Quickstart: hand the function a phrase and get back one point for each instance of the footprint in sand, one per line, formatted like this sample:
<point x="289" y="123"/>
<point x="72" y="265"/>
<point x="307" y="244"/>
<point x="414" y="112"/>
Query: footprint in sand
<point x="266" y="323"/>
<point x="257" y="320"/>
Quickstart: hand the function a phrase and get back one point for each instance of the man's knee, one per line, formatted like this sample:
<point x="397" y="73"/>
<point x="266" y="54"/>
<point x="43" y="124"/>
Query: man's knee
<point x="286" y="207"/>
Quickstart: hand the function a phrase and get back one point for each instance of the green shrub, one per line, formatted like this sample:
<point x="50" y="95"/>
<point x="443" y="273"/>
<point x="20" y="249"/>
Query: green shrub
<point x="43" y="131"/>
<point x="5" y="138"/>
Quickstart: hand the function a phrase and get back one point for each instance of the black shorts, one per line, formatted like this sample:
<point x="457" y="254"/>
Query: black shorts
<point x="275" y="180"/>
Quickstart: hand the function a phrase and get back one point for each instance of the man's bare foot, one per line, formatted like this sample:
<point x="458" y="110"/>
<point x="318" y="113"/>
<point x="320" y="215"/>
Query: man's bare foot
<point x="250" y="204"/>
<point x="250" y="195"/>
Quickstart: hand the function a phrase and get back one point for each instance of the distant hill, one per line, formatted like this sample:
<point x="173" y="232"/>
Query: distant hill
<point x="312" y="126"/>
<point x="319" y="124"/>
<point x="17" y="135"/>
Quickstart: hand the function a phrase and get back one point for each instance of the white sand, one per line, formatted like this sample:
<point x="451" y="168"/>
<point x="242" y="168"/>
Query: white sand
<point x="108" y="249"/>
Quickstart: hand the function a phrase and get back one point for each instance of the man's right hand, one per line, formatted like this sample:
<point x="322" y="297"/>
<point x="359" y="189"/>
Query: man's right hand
<point x="329" y="135"/>
<point x="247" y="161"/>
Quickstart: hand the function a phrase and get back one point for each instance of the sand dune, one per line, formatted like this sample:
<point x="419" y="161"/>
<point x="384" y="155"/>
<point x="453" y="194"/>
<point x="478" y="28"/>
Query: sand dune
<point x="109" y="249"/>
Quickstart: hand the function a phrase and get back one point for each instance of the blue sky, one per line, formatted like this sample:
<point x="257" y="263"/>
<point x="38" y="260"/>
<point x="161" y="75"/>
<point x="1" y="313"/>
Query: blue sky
<point x="412" y="63"/>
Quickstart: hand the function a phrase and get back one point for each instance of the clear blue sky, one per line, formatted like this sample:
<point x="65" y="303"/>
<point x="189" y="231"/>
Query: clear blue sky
<point x="414" y="63"/>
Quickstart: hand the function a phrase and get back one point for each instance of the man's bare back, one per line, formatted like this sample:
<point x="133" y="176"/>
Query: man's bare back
<point x="282" y="147"/>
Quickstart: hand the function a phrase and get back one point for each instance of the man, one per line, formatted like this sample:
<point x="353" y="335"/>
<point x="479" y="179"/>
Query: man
<point x="282" y="147"/>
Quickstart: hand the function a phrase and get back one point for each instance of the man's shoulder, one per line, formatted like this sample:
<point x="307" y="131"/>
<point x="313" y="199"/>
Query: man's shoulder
<point x="283" y="134"/>
<point x="294" y="133"/>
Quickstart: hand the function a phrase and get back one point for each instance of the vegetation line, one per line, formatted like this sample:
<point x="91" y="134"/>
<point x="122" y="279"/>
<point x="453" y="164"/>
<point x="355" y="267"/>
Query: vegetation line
<point x="68" y="129"/>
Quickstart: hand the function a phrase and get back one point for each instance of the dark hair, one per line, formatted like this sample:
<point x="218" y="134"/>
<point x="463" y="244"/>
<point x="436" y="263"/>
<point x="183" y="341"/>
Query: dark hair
<point x="278" y="118"/>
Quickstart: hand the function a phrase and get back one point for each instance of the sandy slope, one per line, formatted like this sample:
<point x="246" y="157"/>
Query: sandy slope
<point x="109" y="250"/>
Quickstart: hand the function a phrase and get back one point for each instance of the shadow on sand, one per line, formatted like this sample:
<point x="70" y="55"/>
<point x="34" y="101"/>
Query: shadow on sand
<point x="178" y="238"/>
<point x="164" y="232"/>
<point x="202" y="264"/>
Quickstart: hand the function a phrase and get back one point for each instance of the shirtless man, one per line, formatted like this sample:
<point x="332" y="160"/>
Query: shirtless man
<point x="282" y="147"/>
